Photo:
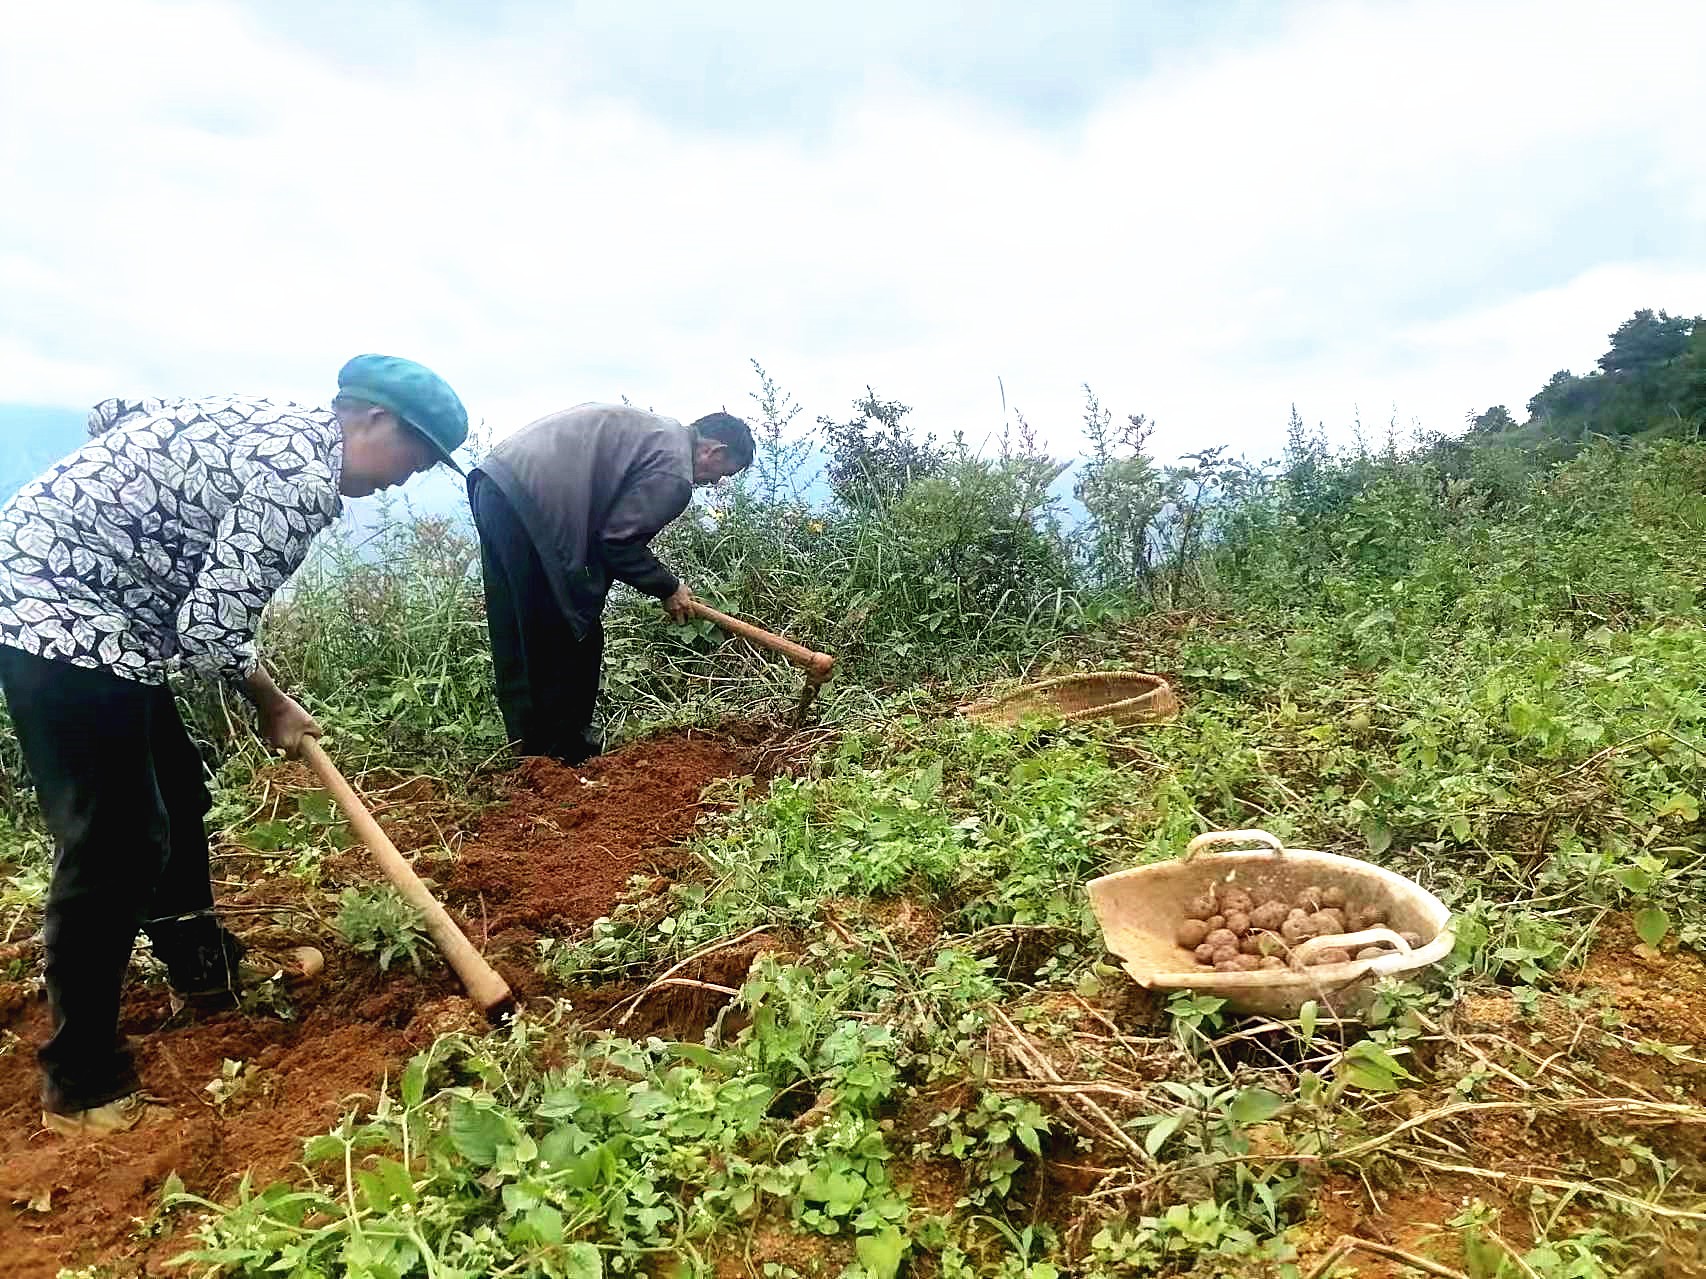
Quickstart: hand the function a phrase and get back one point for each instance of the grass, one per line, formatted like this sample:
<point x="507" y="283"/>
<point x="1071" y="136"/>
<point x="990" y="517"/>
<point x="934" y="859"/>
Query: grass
<point x="1483" y="676"/>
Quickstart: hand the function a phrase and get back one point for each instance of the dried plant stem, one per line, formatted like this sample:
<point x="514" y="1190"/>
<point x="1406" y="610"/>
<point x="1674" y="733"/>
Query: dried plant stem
<point x="668" y="977"/>
<point x="1351" y="1243"/>
<point x="1075" y="1098"/>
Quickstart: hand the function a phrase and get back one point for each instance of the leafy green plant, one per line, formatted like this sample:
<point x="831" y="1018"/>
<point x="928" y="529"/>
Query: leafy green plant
<point x="1193" y="1015"/>
<point x="378" y="922"/>
<point x="1184" y="1235"/>
<point x="991" y="1138"/>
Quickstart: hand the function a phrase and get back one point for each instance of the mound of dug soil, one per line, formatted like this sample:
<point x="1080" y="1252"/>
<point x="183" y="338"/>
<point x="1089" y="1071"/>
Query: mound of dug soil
<point x="555" y="853"/>
<point x="559" y="851"/>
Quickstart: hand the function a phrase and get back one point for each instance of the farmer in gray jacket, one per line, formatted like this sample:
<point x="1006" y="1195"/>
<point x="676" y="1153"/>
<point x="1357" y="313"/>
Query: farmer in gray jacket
<point x="565" y="507"/>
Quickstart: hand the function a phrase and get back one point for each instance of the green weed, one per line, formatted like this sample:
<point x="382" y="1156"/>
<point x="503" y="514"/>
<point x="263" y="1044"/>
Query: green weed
<point x="378" y="922"/>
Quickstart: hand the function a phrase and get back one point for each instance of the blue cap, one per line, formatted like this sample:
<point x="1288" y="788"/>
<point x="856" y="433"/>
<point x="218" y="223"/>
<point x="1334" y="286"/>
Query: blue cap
<point x="418" y="396"/>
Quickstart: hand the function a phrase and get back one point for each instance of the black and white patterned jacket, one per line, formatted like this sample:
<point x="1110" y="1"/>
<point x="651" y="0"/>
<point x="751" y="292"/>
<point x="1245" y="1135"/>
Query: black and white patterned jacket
<point x="161" y="540"/>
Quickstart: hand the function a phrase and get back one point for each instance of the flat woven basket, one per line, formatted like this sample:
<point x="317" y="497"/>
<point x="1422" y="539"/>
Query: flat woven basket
<point x="1115" y="697"/>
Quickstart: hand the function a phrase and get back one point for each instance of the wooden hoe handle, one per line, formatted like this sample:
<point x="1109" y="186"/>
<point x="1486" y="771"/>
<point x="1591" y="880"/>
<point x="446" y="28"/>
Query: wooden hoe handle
<point x="490" y="993"/>
<point x="817" y="665"/>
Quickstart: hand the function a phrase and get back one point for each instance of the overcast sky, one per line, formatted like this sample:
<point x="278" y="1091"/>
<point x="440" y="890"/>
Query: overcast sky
<point x="1208" y="211"/>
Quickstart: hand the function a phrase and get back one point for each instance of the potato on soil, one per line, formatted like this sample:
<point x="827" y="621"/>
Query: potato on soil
<point x="1332" y="955"/>
<point x="1223" y="937"/>
<point x="1204" y="954"/>
<point x="1191" y="933"/>
<point x="1237" y="922"/>
<point x="1200" y="907"/>
<point x="1269" y="915"/>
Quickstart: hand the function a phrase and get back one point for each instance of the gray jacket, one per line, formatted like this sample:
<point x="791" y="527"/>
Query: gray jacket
<point x="593" y="485"/>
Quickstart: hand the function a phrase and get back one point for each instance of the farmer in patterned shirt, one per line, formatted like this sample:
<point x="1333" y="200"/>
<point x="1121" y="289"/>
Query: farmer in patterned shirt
<point x="156" y="546"/>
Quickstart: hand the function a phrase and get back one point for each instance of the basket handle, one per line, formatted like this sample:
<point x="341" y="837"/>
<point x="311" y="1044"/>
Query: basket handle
<point x="1233" y="837"/>
<point x="1346" y="941"/>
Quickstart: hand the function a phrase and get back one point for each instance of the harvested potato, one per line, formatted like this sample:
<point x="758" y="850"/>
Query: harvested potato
<point x="1235" y="901"/>
<point x="1332" y="955"/>
<point x="1226" y="965"/>
<point x="1413" y="940"/>
<point x="1327" y="923"/>
<point x="1205" y="954"/>
<point x="1371" y="952"/>
<point x="1246" y="964"/>
<point x="1224" y="954"/>
<point x="1200" y="907"/>
<point x="1251" y="944"/>
<point x="1216" y="922"/>
<point x="1237" y="922"/>
<point x="1223" y="937"/>
<point x="1269" y="915"/>
<point x="1191" y="933"/>
<point x="1310" y="898"/>
<point x="1270" y="944"/>
<point x="1333" y="899"/>
<point x="1297" y="928"/>
<point x="1272" y="961"/>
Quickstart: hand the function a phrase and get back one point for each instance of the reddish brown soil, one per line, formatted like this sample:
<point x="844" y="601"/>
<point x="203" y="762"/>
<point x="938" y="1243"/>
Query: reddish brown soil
<point x="561" y="848"/>
<point x="1623" y="992"/>
<point x="69" y="1200"/>
<point x="555" y="853"/>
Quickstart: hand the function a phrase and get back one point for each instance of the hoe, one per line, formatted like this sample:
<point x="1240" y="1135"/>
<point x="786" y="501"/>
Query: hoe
<point x="817" y="666"/>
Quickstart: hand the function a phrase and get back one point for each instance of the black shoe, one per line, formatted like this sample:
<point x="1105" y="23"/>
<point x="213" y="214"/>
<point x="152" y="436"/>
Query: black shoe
<point x="579" y="754"/>
<point x="289" y="968"/>
<point x="574" y="750"/>
<point x="200" y="956"/>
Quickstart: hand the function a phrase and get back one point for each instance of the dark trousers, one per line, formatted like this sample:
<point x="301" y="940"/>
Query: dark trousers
<point x="547" y="676"/>
<point x="121" y="787"/>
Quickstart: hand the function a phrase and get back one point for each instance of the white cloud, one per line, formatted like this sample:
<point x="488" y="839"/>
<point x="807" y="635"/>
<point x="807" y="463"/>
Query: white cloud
<point x="1351" y="214"/>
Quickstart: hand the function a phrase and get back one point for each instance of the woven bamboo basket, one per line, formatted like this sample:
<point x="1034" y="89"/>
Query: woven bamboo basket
<point x="1115" y="697"/>
<point x="1138" y="910"/>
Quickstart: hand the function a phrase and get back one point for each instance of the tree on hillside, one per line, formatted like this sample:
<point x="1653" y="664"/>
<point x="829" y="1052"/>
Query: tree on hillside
<point x="1494" y="420"/>
<point x="872" y="455"/>
<point x="1564" y="395"/>
<point x="1645" y="342"/>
